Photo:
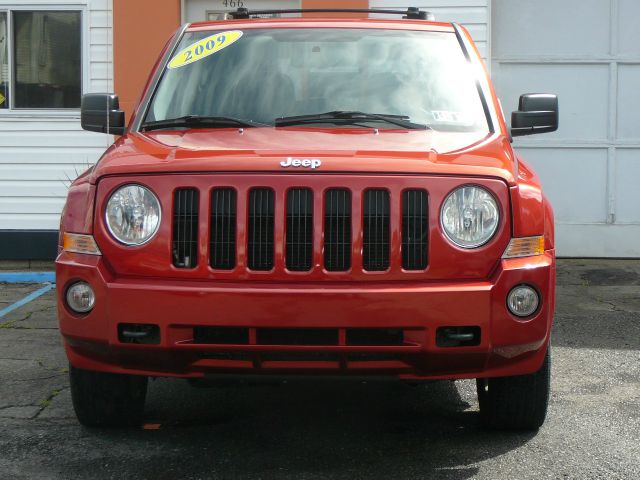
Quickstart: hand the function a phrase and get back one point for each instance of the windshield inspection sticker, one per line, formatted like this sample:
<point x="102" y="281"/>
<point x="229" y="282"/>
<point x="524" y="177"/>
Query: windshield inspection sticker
<point x="205" y="47"/>
<point x="445" y="116"/>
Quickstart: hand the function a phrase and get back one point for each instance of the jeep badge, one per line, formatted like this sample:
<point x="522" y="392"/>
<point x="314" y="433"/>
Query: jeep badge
<point x="312" y="163"/>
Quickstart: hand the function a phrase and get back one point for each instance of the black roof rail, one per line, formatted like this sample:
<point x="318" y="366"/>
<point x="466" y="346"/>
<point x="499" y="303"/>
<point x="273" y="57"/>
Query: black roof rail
<point x="412" y="13"/>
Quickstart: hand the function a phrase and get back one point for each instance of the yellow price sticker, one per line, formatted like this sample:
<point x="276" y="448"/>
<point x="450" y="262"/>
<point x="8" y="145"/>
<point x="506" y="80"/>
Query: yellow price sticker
<point x="205" y="47"/>
<point x="2" y="99"/>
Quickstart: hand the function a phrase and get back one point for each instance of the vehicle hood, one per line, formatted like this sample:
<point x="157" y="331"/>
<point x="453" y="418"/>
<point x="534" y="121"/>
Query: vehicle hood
<point x="339" y="150"/>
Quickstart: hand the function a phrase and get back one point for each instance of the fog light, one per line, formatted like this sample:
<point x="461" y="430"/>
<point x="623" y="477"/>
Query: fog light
<point x="523" y="300"/>
<point x="80" y="297"/>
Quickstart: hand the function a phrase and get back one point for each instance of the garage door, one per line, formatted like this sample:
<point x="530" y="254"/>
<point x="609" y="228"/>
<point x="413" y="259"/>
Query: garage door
<point x="588" y="52"/>
<point x="473" y="14"/>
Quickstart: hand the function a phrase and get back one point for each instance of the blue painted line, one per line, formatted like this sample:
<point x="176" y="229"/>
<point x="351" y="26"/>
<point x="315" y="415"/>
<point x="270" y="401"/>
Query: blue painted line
<point x="29" y="298"/>
<point x="27" y="277"/>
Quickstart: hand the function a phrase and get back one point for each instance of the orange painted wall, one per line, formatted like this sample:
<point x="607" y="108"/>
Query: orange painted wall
<point x="140" y="30"/>
<point x="142" y="27"/>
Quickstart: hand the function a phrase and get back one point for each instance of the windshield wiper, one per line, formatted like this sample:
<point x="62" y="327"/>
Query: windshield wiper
<point x="349" y="118"/>
<point x="199" y="121"/>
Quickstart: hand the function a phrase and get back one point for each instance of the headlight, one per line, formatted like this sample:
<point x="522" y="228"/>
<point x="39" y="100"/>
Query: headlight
<point x="470" y="216"/>
<point x="133" y="214"/>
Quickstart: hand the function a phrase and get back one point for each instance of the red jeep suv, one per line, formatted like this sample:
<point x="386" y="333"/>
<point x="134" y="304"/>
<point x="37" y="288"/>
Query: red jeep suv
<point x="317" y="197"/>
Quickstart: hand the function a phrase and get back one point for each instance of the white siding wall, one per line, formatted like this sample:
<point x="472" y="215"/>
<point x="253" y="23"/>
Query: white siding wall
<point x="472" y="14"/>
<point x="41" y="152"/>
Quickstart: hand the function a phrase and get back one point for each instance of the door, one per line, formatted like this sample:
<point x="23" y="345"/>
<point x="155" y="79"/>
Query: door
<point x="588" y="52"/>
<point x="202" y="10"/>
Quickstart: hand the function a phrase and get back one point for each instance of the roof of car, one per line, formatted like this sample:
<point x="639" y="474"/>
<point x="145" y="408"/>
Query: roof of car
<point x="314" y="22"/>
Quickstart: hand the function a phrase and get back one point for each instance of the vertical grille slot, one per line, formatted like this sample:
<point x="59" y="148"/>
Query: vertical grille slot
<point x="299" y="245"/>
<point x="222" y="246"/>
<point x="337" y="230"/>
<point x="414" y="229"/>
<point x="261" y="226"/>
<point x="185" y="228"/>
<point x="376" y="230"/>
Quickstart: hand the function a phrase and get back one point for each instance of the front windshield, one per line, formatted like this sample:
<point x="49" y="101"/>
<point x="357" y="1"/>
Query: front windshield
<point x="258" y="75"/>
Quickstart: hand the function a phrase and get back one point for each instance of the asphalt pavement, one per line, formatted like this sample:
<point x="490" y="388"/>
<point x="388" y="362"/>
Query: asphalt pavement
<point x="339" y="430"/>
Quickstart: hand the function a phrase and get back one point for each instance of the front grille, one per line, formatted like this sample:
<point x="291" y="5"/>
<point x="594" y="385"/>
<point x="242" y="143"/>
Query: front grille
<point x="185" y="228"/>
<point x="375" y="255"/>
<point x="414" y="229"/>
<point x="337" y="230"/>
<point x="253" y="230"/>
<point x="299" y="248"/>
<point x="261" y="226"/>
<point x="222" y="245"/>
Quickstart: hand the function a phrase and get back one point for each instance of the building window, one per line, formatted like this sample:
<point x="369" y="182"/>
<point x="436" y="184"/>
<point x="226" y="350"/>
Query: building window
<point x="40" y="55"/>
<point x="4" y="61"/>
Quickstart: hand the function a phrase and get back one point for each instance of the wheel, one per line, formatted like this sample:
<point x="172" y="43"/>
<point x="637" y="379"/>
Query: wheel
<point x="107" y="399"/>
<point x="518" y="402"/>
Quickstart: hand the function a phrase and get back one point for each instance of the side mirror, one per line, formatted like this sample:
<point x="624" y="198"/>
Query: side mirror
<point x="100" y="112"/>
<point x="537" y="113"/>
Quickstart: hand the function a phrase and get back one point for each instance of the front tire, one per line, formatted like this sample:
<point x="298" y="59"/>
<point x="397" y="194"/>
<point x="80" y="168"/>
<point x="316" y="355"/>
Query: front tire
<point x="107" y="399"/>
<point x="518" y="402"/>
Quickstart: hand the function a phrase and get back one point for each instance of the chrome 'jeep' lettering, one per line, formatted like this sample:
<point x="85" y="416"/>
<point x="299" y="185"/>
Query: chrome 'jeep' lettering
<point x="312" y="163"/>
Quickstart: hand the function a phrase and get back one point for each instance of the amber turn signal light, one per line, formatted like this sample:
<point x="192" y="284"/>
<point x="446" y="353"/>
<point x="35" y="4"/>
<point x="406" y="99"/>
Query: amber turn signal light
<point x="524" y="247"/>
<point x="78" y="243"/>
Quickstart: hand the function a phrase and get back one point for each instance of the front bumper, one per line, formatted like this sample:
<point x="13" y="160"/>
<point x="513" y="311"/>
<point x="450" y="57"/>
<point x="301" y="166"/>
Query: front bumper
<point x="507" y="346"/>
